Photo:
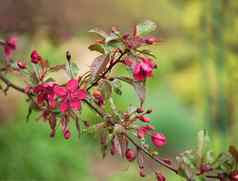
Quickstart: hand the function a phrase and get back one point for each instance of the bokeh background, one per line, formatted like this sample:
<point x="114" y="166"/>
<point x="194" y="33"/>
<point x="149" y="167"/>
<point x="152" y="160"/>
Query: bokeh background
<point x="194" y="88"/>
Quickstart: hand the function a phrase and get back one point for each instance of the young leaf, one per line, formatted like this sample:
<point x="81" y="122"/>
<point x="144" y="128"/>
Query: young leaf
<point x="203" y="142"/>
<point x="71" y="69"/>
<point x="140" y="90"/>
<point x="99" y="65"/>
<point x="106" y="88"/>
<point x="145" y="28"/>
<point x="99" y="32"/>
<point x="139" y="87"/>
<point x="97" y="47"/>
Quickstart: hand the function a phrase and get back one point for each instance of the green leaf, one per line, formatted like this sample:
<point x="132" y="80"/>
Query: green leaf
<point x="203" y="143"/>
<point x="116" y="84"/>
<point x="99" y="32"/>
<point x="145" y="28"/>
<point x="71" y="69"/>
<point x="139" y="87"/>
<point x="106" y="88"/>
<point x="97" y="47"/>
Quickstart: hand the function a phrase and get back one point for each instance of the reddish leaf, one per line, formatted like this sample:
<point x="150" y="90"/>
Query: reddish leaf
<point x="99" y="65"/>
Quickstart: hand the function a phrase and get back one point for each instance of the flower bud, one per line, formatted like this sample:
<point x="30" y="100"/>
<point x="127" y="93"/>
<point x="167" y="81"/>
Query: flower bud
<point x="130" y="155"/>
<point x="67" y="134"/>
<point x="234" y="176"/>
<point x="158" y="139"/>
<point x="21" y="65"/>
<point x="35" y="57"/>
<point x="144" y="119"/>
<point x="159" y="176"/>
<point x="142" y="172"/>
<point x="97" y="93"/>
<point x="151" y="40"/>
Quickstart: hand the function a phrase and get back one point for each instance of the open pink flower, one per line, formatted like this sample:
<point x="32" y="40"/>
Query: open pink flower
<point x="45" y="92"/>
<point x="143" y="69"/>
<point x="158" y="139"/>
<point x="70" y="95"/>
<point x="10" y="46"/>
<point x="142" y="131"/>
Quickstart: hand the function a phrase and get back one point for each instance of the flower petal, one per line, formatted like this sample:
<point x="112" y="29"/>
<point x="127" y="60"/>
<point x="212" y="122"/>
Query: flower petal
<point x="59" y="91"/>
<point x="79" y="94"/>
<point x="72" y="85"/>
<point x="64" y="106"/>
<point x="75" y="105"/>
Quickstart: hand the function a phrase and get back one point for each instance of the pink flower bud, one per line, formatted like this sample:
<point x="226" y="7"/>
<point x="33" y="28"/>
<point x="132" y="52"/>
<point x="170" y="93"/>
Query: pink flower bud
<point x="21" y="65"/>
<point x="158" y="139"/>
<point x="151" y="40"/>
<point x="160" y="177"/>
<point x="67" y="134"/>
<point x="142" y="131"/>
<point x="144" y="119"/>
<point x="130" y="155"/>
<point x="10" y="46"/>
<point x="143" y="69"/>
<point x="142" y="172"/>
<point x="35" y="57"/>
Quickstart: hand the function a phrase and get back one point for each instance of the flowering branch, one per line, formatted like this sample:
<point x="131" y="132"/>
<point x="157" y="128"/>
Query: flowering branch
<point x="59" y="104"/>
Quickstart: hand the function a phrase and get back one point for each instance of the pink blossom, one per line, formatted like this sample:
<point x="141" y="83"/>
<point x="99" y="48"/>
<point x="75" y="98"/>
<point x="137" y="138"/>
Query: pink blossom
<point x="144" y="119"/>
<point x="142" y="131"/>
<point x="35" y="57"/>
<point x="158" y="139"/>
<point x="10" y="46"/>
<point x="143" y="69"/>
<point x="130" y="155"/>
<point x="45" y="92"/>
<point x="70" y="95"/>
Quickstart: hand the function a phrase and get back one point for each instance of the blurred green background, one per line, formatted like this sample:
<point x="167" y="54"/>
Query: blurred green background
<point x="194" y="88"/>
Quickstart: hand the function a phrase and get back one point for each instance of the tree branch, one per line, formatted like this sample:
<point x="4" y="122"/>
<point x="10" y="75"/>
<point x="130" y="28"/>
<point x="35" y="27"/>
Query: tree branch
<point x="10" y="84"/>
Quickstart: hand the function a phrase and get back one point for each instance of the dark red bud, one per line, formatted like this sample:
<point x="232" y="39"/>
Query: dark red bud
<point x="143" y="118"/>
<point x="130" y="155"/>
<point x="142" y="172"/>
<point x="234" y="176"/>
<point x="67" y="134"/>
<point x="21" y="65"/>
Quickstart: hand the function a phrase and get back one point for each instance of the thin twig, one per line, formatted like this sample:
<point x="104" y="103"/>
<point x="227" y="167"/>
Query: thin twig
<point x="152" y="157"/>
<point x="107" y="70"/>
<point x="10" y="84"/>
